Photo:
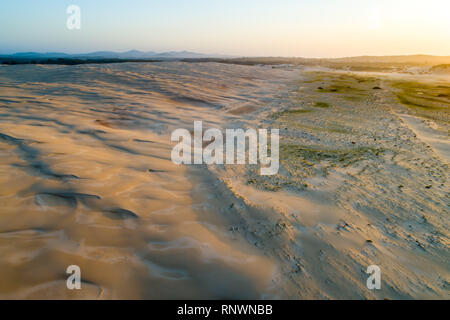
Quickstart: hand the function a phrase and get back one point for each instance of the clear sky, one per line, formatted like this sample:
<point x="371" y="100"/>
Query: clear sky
<point x="308" y="28"/>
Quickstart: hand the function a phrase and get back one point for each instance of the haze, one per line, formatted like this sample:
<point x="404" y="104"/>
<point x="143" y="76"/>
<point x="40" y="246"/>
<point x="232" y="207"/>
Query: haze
<point x="321" y="28"/>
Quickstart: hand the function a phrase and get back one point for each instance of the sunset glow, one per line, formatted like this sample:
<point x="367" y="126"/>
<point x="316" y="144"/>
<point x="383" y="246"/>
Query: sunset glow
<point x="322" y="28"/>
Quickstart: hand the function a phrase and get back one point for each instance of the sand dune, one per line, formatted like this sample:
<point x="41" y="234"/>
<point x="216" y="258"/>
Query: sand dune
<point x="87" y="179"/>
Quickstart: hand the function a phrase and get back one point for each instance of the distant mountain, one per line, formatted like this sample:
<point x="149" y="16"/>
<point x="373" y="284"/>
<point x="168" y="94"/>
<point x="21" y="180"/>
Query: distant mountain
<point x="408" y="59"/>
<point x="132" y="54"/>
<point x="442" y="68"/>
<point x="367" y="63"/>
<point x="34" y="55"/>
<point x="183" y="55"/>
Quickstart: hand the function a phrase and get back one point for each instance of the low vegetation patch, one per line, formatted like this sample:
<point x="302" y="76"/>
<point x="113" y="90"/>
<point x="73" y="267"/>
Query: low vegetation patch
<point x="322" y="105"/>
<point x="280" y="114"/>
<point x="426" y="100"/>
<point x="341" y="156"/>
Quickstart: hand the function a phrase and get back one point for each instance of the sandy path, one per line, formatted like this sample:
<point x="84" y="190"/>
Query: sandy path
<point x="425" y="132"/>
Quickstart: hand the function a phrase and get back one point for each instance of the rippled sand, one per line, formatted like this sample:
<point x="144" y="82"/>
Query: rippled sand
<point x="87" y="180"/>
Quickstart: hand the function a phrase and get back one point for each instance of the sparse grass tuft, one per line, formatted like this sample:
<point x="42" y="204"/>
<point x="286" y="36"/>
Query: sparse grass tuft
<point x="322" y="105"/>
<point x="343" y="157"/>
<point x="280" y="114"/>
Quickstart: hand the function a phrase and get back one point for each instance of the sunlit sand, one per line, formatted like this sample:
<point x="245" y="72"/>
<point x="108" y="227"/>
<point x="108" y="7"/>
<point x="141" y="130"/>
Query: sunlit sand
<point x="87" y="180"/>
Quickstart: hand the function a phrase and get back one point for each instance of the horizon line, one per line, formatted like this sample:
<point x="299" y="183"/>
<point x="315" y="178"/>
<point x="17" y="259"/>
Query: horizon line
<point x="227" y="55"/>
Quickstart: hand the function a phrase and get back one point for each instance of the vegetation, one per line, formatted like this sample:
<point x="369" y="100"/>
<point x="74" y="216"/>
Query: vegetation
<point x="341" y="156"/>
<point x="322" y="105"/>
<point x="280" y="114"/>
<point x="427" y="100"/>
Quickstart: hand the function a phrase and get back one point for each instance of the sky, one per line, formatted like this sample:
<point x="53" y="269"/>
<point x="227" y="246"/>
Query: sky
<point x="302" y="28"/>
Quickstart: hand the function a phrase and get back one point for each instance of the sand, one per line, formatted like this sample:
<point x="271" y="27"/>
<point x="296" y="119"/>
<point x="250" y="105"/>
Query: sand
<point x="87" y="180"/>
